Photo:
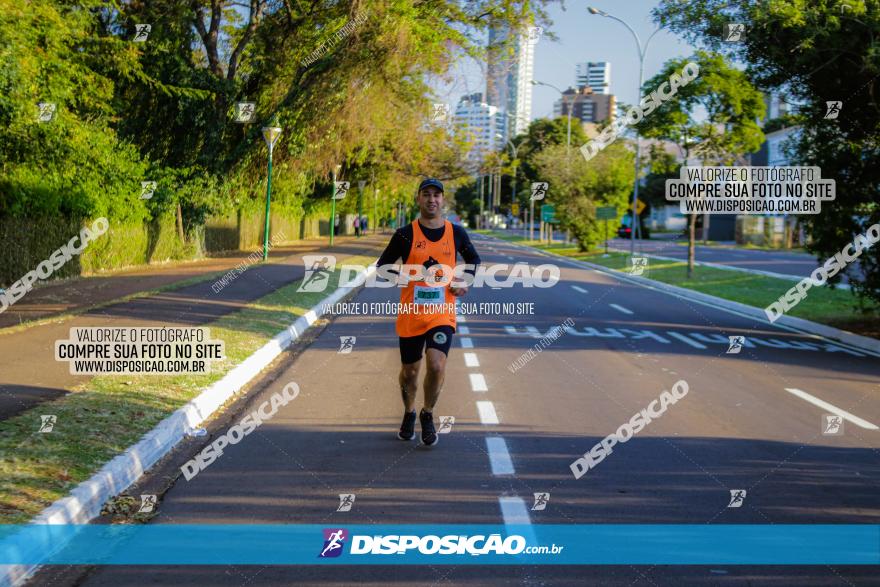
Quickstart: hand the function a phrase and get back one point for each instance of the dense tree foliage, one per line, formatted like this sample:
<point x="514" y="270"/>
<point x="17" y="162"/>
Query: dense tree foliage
<point x="347" y="81"/>
<point x="812" y="52"/>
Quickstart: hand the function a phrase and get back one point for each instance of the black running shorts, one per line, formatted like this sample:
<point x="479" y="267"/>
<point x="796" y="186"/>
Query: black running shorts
<point x="411" y="347"/>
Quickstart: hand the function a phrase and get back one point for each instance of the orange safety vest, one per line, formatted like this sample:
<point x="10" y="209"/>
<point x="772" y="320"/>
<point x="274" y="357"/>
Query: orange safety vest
<point x="423" y="295"/>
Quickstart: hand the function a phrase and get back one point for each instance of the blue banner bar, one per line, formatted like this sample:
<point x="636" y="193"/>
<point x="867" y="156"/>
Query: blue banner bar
<point x="620" y="544"/>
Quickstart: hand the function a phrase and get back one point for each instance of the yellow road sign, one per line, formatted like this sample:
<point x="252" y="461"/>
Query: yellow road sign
<point x="640" y="205"/>
<point x="514" y="209"/>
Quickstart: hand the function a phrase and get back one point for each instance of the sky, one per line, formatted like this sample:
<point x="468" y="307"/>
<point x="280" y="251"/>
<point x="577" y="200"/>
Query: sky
<point x="583" y="37"/>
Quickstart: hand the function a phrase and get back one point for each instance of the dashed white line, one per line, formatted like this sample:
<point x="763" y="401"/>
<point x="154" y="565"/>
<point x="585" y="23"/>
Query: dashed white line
<point x="514" y="511"/>
<point x="464" y="330"/>
<point x="831" y="408"/>
<point x="487" y="413"/>
<point x="471" y="360"/>
<point x="686" y="340"/>
<point x="499" y="457"/>
<point x="580" y="289"/>
<point x="466" y="343"/>
<point x="478" y="382"/>
<point x="621" y="309"/>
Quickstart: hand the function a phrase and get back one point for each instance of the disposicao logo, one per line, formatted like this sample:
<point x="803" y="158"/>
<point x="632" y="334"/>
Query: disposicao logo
<point x="334" y="541"/>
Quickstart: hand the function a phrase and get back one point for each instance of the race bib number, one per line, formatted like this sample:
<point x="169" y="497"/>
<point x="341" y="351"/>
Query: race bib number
<point x="428" y="295"/>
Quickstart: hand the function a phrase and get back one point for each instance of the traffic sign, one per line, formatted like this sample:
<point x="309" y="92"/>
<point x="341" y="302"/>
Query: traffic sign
<point x="640" y="205"/>
<point x="514" y="209"/>
<point x="606" y="213"/>
<point x="548" y="213"/>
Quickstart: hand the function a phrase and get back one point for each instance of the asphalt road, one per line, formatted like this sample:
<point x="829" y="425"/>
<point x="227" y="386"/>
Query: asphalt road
<point x="739" y="427"/>
<point x="797" y="265"/>
<point x="794" y="264"/>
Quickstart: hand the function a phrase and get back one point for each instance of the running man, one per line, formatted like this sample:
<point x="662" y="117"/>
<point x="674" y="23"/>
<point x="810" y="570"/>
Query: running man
<point x="430" y="240"/>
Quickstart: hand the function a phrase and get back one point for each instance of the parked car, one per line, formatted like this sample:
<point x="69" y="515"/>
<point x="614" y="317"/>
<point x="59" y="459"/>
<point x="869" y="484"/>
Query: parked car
<point x="625" y="230"/>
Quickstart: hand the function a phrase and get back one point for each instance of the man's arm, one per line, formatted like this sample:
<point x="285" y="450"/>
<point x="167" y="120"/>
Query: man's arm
<point x="465" y="248"/>
<point x="394" y="251"/>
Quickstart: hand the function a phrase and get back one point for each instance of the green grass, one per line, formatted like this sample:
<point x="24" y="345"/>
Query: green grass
<point x="837" y="307"/>
<point x="747" y="246"/>
<point x="106" y="415"/>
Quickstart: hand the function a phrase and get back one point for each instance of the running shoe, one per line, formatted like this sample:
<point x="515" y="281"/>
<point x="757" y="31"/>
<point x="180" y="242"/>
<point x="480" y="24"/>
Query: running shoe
<point x="429" y="434"/>
<point x="408" y="427"/>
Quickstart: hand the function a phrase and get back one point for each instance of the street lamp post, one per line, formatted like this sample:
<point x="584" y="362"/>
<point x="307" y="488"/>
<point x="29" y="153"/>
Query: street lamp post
<point x="333" y="205"/>
<point x="361" y="184"/>
<point x="567" y="151"/>
<point x="270" y="135"/>
<point x="642" y="50"/>
<point x="562" y="97"/>
<point x="514" y="149"/>
<point x="375" y="209"/>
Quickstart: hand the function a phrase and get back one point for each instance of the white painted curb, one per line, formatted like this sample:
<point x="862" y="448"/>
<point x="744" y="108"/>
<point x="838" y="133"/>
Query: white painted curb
<point x="862" y="343"/>
<point x="85" y="501"/>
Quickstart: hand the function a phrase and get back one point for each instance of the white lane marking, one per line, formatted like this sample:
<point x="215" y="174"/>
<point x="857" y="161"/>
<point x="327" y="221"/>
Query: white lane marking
<point x="499" y="458"/>
<point x="620" y="309"/>
<point x="514" y="511"/>
<point x="685" y="297"/>
<point x="580" y="289"/>
<point x="487" y="413"/>
<point x="832" y="408"/>
<point x="471" y="360"/>
<point x="464" y="330"/>
<point x="686" y="340"/>
<point x="466" y="343"/>
<point x="478" y="382"/>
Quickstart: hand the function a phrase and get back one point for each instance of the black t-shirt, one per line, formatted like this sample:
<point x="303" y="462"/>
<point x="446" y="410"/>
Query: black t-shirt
<point x="401" y="244"/>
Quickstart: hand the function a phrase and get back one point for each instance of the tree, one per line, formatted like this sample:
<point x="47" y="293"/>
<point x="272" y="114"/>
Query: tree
<point x="712" y="117"/>
<point x="578" y="187"/>
<point x="813" y="51"/>
<point x="662" y="165"/>
<point x="347" y="81"/>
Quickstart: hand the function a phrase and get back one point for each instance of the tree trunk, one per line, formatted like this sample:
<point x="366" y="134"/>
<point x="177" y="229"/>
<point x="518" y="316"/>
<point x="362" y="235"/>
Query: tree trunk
<point x="692" y="248"/>
<point x="180" y="224"/>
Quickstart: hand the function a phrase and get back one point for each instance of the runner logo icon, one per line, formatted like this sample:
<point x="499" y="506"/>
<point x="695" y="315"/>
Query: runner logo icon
<point x="346" y="344"/>
<point x="832" y="425"/>
<point x="334" y="541"/>
<point x="47" y="423"/>
<point x="346" y="500"/>
<point x="318" y="270"/>
<point x="737" y="497"/>
<point x="541" y="500"/>
<point x="440" y="337"/>
<point x="736" y="344"/>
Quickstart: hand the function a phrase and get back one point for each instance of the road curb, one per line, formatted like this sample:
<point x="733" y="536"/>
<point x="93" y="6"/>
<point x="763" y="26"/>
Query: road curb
<point x="798" y="324"/>
<point x="85" y="501"/>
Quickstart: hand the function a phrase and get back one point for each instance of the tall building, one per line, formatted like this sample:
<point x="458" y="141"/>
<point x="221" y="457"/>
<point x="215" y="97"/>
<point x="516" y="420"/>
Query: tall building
<point x="510" y="68"/>
<point x="596" y="74"/>
<point x="587" y="106"/>
<point x="480" y="123"/>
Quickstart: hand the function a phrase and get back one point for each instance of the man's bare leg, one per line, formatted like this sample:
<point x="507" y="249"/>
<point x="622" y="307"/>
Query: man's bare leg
<point x="409" y="384"/>
<point x="434" y="376"/>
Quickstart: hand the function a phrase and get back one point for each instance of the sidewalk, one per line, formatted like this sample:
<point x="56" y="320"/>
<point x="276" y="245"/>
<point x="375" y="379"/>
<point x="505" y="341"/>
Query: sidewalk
<point x="31" y="375"/>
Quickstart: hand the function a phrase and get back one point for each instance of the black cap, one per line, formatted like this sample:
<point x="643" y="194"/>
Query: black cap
<point x="431" y="182"/>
